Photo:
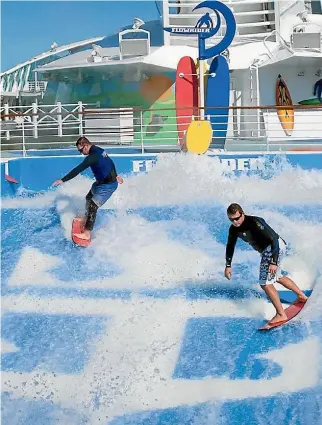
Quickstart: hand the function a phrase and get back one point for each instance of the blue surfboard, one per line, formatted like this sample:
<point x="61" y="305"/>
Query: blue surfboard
<point x="218" y="90"/>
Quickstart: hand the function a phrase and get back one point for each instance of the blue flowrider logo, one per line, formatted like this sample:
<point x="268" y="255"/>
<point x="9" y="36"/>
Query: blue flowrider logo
<point x="204" y="28"/>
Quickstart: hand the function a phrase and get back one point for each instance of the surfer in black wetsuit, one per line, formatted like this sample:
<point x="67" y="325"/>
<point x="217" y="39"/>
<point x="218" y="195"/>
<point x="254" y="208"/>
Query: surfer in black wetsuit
<point x="105" y="185"/>
<point x="256" y="232"/>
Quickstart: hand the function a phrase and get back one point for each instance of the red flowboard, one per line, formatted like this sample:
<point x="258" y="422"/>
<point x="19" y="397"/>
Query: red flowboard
<point x="290" y="311"/>
<point x="10" y="179"/>
<point x="186" y="92"/>
<point x="78" y="227"/>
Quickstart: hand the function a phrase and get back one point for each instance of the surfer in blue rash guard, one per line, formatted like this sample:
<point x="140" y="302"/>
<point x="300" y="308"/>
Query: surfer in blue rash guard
<point x="102" y="189"/>
<point x="261" y="237"/>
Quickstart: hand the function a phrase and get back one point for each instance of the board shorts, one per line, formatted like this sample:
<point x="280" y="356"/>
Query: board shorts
<point x="266" y="278"/>
<point x="102" y="192"/>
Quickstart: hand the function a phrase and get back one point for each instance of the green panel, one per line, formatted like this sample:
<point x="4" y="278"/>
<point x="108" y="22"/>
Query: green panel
<point x="153" y="94"/>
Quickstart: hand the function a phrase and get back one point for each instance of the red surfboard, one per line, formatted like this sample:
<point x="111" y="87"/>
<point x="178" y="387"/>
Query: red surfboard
<point x="78" y="227"/>
<point x="11" y="179"/>
<point x="291" y="311"/>
<point x="186" y="94"/>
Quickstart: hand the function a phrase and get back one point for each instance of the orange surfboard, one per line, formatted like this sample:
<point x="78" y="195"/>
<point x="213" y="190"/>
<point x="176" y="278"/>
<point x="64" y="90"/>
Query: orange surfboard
<point x="283" y="98"/>
<point x="78" y="227"/>
<point x="290" y="311"/>
<point x="11" y="179"/>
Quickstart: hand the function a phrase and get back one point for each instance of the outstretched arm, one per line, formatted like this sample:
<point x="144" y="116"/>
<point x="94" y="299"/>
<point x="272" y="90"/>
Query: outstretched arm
<point x="88" y="161"/>
<point x="230" y="247"/>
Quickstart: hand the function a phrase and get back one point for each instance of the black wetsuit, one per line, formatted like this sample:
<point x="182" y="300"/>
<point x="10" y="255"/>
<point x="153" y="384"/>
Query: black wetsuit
<point x="101" y="164"/>
<point x="104" y="171"/>
<point x="256" y="232"/>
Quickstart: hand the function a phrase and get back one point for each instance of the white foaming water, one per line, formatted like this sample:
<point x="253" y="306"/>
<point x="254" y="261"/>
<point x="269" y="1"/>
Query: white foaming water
<point x="188" y="179"/>
<point x="144" y="250"/>
<point x="133" y="364"/>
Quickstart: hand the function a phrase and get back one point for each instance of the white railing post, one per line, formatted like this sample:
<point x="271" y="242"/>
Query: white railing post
<point x="6" y="111"/>
<point x="59" y="119"/>
<point x="141" y="131"/>
<point x="35" y="119"/>
<point x="80" y="117"/>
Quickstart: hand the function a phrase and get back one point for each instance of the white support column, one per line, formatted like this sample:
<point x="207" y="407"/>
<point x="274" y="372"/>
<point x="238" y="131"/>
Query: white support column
<point x="59" y="119"/>
<point x="165" y="19"/>
<point x="80" y="118"/>
<point x="6" y="112"/>
<point x="277" y="9"/>
<point x="35" y="119"/>
<point x="36" y="81"/>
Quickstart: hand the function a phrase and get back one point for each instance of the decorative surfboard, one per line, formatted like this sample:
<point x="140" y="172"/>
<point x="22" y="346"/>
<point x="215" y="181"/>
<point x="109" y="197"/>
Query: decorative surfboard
<point x="199" y="136"/>
<point x="311" y="101"/>
<point x="78" y="227"/>
<point x="283" y="98"/>
<point x="291" y="311"/>
<point x="217" y="95"/>
<point x="186" y="95"/>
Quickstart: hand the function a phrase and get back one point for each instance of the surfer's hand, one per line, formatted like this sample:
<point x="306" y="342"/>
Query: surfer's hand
<point x="272" y="269"/>
<point x="119" y="179"/>
<point x="57" y="182"/>
<point x="228" y="273"/>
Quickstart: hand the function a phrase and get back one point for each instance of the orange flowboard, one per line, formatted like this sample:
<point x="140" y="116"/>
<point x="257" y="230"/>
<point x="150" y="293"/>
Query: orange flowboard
<point x="11" y="179"/>
<point x="78" y="227"/>
<point x="290" y="311"/>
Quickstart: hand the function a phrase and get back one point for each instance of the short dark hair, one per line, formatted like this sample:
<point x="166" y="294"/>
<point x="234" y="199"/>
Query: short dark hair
<point x="82" y="140"/>
<point x="234" y="208"/>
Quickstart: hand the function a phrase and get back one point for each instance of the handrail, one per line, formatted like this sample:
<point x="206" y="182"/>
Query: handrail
<point x="251" y="126"/>
<point x="284" y="43"/>
<point x="120" y="110"/>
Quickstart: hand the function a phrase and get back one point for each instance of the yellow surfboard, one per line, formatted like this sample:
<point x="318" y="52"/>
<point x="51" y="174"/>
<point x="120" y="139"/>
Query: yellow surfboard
<point x="283" y="98"/>
<point x="198" y="136"/>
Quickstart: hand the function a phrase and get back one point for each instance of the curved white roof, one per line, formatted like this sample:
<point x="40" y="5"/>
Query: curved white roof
<point x="166" y="57"/>
<point x="58" y="49"/>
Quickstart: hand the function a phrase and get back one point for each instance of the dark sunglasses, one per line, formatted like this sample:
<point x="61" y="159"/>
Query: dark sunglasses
<point x="235" y="218"/>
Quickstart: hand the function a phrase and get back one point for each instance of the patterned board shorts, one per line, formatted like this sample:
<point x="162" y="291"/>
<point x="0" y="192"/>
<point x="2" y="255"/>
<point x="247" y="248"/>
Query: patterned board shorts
<point x="101" y="193"/>
<point x="266" y="278"/>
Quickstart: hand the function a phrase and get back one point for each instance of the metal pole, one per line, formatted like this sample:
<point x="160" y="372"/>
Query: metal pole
<point x="24" y="152"/>
<point x="201" y="81"/>
<point x="141" y="131"/>
<point x="202" y="89"/>
<point x="258" y="101"/>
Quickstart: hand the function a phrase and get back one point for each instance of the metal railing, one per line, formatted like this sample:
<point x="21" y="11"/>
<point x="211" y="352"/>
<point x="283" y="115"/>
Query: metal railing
<point x="248" y="128"/>
<point x="35" y="86"/>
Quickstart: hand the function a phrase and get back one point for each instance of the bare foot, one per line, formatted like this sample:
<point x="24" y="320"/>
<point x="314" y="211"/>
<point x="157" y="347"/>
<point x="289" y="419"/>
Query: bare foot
<point x="278" y="318"/>
<point x="301" y="299"/>
<point x="85" y="236"/>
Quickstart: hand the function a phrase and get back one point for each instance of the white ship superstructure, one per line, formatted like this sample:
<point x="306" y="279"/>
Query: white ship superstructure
<point x="273" y="38"/>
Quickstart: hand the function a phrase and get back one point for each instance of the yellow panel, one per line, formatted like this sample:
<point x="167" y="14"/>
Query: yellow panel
<point x="198" y="136"/>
